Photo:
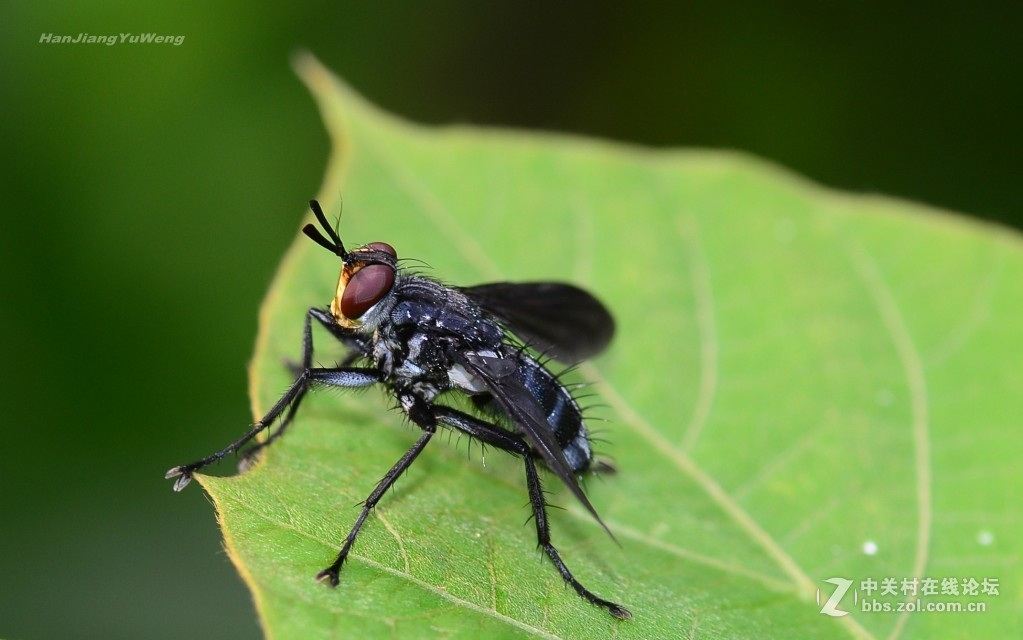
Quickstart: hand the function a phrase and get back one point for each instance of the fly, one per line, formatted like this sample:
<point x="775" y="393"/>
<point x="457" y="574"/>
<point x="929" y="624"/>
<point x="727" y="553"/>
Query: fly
<point x="422" y="339"/>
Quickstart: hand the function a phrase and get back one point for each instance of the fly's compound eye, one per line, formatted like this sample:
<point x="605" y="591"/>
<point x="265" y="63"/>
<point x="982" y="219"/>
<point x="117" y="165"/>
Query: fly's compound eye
<point x="366" y="288"/>
<point x="383" y="247"/>
<point x="368" y="285"/>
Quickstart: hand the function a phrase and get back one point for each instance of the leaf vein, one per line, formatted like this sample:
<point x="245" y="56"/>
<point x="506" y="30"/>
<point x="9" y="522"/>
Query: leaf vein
<point x="706" y="323"/>
<point x="895" y="324"/>
<point x="443" y="593"/>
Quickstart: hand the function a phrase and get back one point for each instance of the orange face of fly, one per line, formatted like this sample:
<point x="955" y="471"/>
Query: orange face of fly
<point x="362" y="284"/>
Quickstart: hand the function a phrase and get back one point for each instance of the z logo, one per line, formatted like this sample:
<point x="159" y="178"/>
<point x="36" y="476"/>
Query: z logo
<point x="841" y="587"/>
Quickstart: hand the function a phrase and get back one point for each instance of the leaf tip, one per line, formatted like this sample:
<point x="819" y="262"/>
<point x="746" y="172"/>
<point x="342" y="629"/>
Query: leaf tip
<point x="306" y="65"/>
<point x="326" y="86"/>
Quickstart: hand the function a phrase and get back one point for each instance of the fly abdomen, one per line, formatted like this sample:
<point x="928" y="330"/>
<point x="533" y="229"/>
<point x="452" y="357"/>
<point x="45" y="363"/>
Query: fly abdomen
<point x="563" y="414"/>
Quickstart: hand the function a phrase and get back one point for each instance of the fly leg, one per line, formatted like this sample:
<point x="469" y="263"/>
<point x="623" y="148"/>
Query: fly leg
<point x="349" y="377"/>
<point x="502" y="439"/>
<point x="357" y="347"/>
<point x="419" y="413"/>
<point x="336" y="377"/>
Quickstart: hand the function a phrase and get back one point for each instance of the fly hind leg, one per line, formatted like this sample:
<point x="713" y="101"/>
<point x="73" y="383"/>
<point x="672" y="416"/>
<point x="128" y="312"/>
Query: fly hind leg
<point x="419" y="413"/>
<point x="502" y="439"/>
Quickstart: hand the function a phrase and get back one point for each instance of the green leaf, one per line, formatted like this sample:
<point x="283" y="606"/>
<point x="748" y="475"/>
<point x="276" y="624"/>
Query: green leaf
<point x="805" y="385"/>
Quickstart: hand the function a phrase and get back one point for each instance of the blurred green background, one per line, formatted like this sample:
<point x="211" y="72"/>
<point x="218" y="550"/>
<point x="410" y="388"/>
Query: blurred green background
<point x="149" y="191"/>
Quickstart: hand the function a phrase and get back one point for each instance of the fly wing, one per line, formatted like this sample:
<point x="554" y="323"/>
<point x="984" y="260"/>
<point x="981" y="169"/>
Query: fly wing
<point x="519" y="404"/>
<point x="557" y="319"/>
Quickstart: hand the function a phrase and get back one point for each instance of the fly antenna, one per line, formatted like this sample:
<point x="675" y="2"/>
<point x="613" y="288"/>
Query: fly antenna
<point x="333" y="245"/>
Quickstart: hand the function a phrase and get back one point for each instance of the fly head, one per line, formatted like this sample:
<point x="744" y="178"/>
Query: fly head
<point x="367" y="275"/>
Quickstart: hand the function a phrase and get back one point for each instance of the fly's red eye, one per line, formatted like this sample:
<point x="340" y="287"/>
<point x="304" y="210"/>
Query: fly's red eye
<point x="384" y="247"/>
<point x="366" y="288"/>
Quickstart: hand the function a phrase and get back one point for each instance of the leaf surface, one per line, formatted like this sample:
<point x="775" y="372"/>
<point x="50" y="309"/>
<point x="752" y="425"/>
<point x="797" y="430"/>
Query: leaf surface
<point x="805" y="384"/>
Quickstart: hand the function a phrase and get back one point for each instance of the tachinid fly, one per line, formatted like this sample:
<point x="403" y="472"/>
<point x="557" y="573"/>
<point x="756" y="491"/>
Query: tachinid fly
<point x="421" y="339"/>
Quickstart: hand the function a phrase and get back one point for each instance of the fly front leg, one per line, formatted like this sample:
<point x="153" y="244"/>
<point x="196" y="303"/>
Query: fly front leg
<point x="355" y="343"/>
<point x="350" y="377"/>
<point x="419" y="413"/>
<point x="249" y="455"/>
<point x="502" y="439"/>
<point x="337" y="377"/>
